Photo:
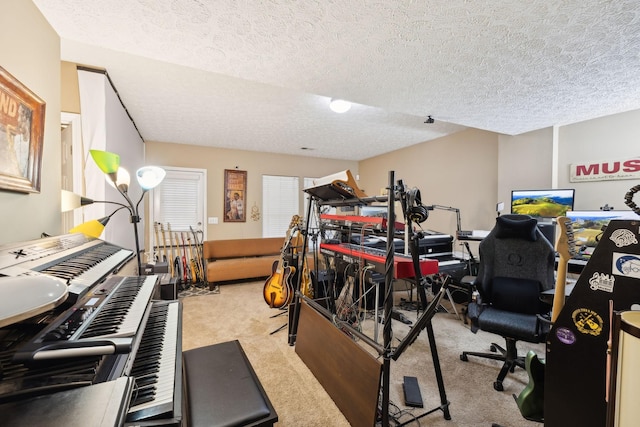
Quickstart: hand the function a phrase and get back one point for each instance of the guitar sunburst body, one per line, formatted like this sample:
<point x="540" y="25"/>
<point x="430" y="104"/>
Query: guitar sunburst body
<point x="278" y="288"/>
<point x="306" y="288"/>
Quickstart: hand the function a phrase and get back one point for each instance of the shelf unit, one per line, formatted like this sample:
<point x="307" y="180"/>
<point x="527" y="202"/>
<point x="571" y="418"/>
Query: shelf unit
<point x="386" y="351"/>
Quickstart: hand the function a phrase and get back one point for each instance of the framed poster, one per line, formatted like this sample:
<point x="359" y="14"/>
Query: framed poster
<point x="235" y="195"/>
<point x="21" y="136"/>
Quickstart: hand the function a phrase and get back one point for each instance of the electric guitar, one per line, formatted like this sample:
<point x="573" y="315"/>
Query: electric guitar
<point x="199" y="258"/>
<point x="173" y="256"/>
<point x="566" y="248"/>
<point x="531" y="400"/>
<point x="306" y="288"/>
<point x="164" y="243"/>
<point x="297" y="243"/>
<point x="156" y="248"/>
<point x="180" y="261"/>
<point x="177" y="261"/>
<point x="187" y="269"/>
<point x="278" y="290"/>
<point x="195" y="274"/>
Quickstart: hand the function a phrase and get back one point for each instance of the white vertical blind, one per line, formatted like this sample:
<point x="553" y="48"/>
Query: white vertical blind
<point x="179" y="203"/>
<point x="280" y="196"/>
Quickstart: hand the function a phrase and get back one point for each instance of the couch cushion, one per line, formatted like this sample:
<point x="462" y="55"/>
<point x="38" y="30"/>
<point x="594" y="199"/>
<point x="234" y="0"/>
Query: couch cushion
<point x="235" y="248"/>
<point x="240" y="268"/>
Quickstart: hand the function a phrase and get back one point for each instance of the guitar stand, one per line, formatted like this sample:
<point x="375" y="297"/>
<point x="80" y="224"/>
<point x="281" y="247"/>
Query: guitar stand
<point x="282" y="312"/>
<point x="279" y="329"/>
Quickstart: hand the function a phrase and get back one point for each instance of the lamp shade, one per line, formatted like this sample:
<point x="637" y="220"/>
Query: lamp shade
<point x="150" y="176"/>
<point x="106" y="161"/>
<point x="71" y="201"/>
<point x="93" y="228"/>
<point x="122" y="181"/>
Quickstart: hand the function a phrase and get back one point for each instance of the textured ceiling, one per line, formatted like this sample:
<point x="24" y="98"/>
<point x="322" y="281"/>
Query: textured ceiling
<point x="258" y="75"/>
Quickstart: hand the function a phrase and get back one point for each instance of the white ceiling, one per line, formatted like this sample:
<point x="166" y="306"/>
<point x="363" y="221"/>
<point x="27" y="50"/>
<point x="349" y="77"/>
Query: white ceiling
<point x="258" y="75"/>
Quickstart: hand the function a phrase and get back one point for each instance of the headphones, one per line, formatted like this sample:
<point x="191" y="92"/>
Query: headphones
<point x="416" y="212"/>
<point x="628" y="199"/>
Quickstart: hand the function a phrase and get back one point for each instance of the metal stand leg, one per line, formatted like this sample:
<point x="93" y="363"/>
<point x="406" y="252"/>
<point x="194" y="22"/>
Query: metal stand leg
<point x="453" y="305"/>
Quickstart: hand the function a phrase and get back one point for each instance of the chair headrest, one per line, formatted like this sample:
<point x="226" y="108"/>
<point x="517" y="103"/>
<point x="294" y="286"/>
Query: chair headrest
<point x="516" y="227"/>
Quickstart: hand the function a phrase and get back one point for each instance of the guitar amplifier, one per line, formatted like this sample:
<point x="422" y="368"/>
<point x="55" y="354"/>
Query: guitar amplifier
<point x="168" y="287"/>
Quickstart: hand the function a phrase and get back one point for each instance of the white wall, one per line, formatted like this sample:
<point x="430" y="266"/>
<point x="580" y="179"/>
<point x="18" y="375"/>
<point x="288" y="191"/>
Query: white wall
<point x="106" y="126"/>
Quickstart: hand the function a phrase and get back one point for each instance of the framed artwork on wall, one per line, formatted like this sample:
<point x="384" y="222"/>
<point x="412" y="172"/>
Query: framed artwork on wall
<point x="21" y="136"/>
<point x="235" y="195"/>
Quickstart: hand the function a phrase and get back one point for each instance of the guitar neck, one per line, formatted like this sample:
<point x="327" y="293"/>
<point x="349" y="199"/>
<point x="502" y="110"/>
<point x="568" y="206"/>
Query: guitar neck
<point x="559" y="294"/>
<point x="565" y="246"/>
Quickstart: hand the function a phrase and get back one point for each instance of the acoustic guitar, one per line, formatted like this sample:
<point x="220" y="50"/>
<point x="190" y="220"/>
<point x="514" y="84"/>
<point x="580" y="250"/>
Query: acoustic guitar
<point x="278" y="290"/>
<point x="531" y="400"/>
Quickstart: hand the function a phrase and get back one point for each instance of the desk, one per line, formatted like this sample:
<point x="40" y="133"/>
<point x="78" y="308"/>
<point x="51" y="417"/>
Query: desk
<point x="474" y="235"/>
<point x="574" y="266"/>
<point x="547" y="296"/>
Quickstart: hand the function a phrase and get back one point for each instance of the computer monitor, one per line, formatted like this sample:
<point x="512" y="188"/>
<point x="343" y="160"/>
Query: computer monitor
<point x="375" y="211"/>
<point x="542" y="203"/>
<point x="588" y="226"/>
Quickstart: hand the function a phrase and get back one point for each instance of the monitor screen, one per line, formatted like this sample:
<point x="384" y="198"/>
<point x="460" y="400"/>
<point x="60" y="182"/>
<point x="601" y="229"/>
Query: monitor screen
<point x="588" y="226"/>
<point x="542" y="203"/>
<point x="377" y="211"/>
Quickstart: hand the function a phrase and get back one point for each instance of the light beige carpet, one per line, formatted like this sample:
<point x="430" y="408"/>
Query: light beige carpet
<point x="239" y="312"/>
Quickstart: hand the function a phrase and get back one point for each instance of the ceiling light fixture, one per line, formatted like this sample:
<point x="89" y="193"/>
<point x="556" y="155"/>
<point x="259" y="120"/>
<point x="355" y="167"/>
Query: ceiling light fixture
<point x="339" y="105"/>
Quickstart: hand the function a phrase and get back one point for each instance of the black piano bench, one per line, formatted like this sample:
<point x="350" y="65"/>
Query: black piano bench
<point x="223" y="390"/>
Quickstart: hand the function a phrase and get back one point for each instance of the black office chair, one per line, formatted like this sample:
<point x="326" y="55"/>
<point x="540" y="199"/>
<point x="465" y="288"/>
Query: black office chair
<point x="516" y="264"/>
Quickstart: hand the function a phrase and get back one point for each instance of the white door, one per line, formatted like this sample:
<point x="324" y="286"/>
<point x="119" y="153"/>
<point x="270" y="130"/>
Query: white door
<point x="177" y="208"/>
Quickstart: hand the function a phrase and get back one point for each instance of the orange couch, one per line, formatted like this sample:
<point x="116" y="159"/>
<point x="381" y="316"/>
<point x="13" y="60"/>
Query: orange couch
<point x="237" y="259"/>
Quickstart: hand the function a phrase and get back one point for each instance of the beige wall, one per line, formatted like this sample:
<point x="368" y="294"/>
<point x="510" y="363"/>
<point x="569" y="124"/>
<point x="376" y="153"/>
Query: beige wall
<point x="471" y="170"/>
<point x="216" y="160"/>
<point x="605" y="139"/>
<point x="525" y="162"/>
<point x="30" y="51"/>
<point x="70" y="102"/>
<point x="458" y="171"/>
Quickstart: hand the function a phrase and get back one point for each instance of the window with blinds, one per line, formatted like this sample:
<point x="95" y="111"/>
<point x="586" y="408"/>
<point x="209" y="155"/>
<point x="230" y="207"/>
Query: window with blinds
<point x="179" y="202"/>
<point x="280" y="198"/>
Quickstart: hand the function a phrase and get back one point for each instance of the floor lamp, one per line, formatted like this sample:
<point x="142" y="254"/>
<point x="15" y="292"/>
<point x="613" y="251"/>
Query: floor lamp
<point x="148" y="177"/>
